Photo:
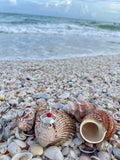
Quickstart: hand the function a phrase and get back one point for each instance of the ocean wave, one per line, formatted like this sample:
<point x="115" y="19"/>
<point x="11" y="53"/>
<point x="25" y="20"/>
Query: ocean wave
<point x="59" y="29"/>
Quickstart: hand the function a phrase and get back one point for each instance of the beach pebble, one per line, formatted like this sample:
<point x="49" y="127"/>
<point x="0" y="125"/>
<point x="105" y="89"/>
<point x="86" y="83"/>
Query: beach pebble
<point x="36" y="149"/>
<point x="66" y="151"/>
<point x="45" y="96"/>
<point x="65" y="95"/>
<point x="2" y="97"/>
<point x="53" y="153"/>
<point x="13" y="148"/>
<point x="77" y="141"/>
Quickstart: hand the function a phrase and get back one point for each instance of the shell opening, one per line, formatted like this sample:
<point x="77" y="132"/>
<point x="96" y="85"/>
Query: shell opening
<point x="92" y="131"/>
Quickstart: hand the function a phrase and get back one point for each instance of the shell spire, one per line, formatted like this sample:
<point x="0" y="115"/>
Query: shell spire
<point x="79" y="108"/>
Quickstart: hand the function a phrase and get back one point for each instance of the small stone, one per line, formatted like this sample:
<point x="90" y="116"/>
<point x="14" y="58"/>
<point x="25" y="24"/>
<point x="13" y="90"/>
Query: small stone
<point x="77" y="141"/>
<point x="2" y="97"/>
<point x="72" y="154"/>
<point x="65" y="95"/>
<point x="53" y="153"/>
<point x="36" y="149"/>
<point x="45" y="96"/>
<point x="66" y="151"/>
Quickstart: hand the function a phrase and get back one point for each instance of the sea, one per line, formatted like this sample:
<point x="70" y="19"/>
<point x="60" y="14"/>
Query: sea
<point x="26" y="37"/>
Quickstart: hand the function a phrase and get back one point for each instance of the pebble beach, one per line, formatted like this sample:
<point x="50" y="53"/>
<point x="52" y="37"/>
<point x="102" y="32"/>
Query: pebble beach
<point x="24" y="83"/>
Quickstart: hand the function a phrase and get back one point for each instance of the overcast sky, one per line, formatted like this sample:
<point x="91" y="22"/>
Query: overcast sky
<point x="85" y="9"/>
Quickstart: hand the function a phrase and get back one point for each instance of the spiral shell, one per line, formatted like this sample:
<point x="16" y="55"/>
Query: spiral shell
<point x="25" y="119"/>
<point x="97" y="125"/>
<point x="60" y="130"/>
<point x="79" y="108"/>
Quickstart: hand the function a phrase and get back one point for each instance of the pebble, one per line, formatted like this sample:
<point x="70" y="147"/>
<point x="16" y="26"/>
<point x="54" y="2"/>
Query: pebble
<point x="65" y="151"/>
<point x="53" y="153"/>
<point x="2" y="97"/>
<point x="77" y="141"/>
<point x="36" y="149"/>
<point x="65" y="95"/>
<point x="45" y="96"/>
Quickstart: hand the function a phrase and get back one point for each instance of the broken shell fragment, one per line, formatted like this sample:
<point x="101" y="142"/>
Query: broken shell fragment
<point x="86" y="149"/>
<point x="1" y="129"/>
<point x="55" y="128"/>
<point x="116" y="152"/>
<point x="24" y="156"/>
<point x="97" y="126"/>
<point x="116" y="116"/>
<point x="25" y="119"/>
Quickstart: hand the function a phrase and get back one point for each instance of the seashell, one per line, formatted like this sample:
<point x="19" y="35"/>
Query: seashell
<point x="4" y="157"/>
<point x="102" y="155"/>
<point x="3" y="148"/>
<point x="2" y="124"/>
<point x="86" y="149"/>
<point x="36" y="149"/>
<point x="116" y="116"/>
<point x="24" y="156"/>
<point x="57" y="130"/>
<point x="97" y="126"/>
<point x="79" y="108"/>
<point x="84" y="157"/>
<point x="20" y="143"/>
<point x="25" y="119"/>
<point x="53" y="153"/>
<point x="19" y="134"/>
<point x="13" y="149"/>
<point x="104" y="146"/>
<point x="116" y="152"/>
<point x="10" y="115"/>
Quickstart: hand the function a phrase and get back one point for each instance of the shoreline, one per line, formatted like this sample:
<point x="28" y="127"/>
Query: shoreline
<point x="79" y="57"/>
<point x="24" y="83"/>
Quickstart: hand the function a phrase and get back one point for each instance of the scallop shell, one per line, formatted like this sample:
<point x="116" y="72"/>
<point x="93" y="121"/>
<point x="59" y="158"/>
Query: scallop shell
<point x="62" y="129"/>
<point x="97" y="126"/>
<point x="79" y="109"/>
<point x="25" y="119"/>
<point x="24" y="155"/>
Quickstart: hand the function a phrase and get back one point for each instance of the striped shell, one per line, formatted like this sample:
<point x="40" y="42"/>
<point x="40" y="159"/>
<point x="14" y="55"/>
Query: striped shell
<point x="106" y="119"/>
<point x="25" y="119"/>
<point x="63" y="129"/>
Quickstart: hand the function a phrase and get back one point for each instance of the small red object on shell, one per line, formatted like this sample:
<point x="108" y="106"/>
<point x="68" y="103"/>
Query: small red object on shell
<point x="49" y="114"/>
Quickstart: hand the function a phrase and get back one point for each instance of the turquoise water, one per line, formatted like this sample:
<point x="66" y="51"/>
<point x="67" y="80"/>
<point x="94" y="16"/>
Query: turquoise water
<point x="42" y="37"/>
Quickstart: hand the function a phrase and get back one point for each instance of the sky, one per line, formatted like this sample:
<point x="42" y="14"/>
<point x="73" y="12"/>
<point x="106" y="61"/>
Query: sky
<point x="105" y="10"/>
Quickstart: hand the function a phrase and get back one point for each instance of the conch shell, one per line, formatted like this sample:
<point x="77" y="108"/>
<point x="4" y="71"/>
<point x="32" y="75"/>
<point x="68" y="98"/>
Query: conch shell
<point x="53" y="128"/>
<point x="25" y="119"/>
<point x="97" y="126"/>
<point x="79" y="108"/>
